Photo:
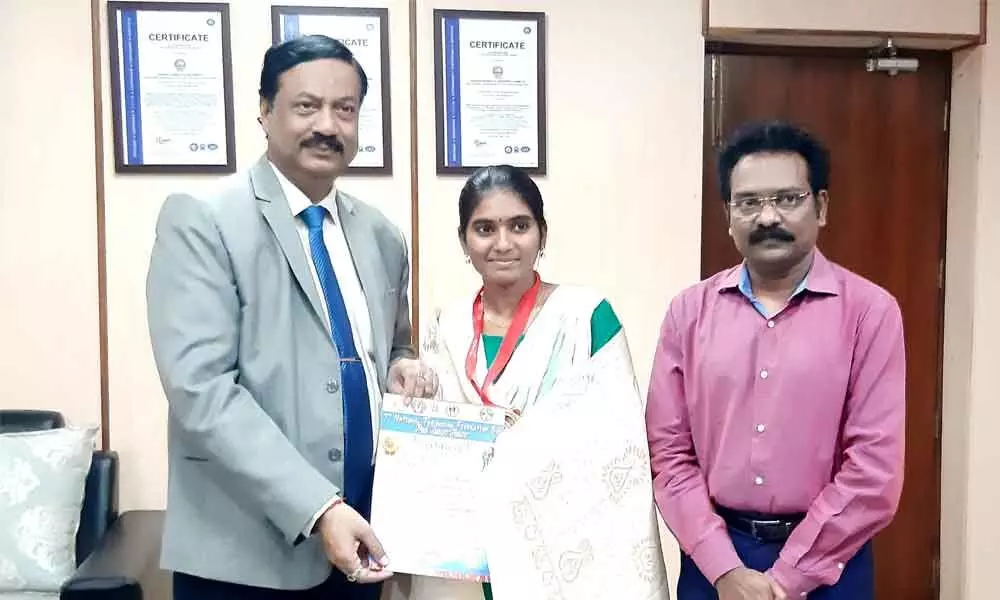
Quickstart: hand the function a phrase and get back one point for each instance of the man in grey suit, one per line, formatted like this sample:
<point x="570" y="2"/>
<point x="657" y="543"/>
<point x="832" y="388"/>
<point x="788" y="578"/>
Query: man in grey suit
<point x="278" y="311"/>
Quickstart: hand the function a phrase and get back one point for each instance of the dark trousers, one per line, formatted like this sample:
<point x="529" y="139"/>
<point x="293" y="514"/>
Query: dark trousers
<point x="189" y="587"/>
<point x="857" y="581"/>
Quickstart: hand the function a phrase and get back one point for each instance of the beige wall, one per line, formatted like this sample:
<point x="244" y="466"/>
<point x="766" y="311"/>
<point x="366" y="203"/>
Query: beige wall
<point x="622" y="195"/>
<point x="48" y="211"/>
<point x="960" y="305"/>
<point x="970" y="536"/>
<point x="957" y="17"/>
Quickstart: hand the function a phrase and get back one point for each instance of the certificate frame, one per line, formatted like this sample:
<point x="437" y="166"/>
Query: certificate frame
<point x="117" y="92"/>
<point x="538" y="20"/>
<point x="278" y="12"/>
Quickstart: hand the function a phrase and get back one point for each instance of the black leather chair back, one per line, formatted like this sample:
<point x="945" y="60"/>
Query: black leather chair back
<point x="100" y="500"/>
<point x="29" y="420"/>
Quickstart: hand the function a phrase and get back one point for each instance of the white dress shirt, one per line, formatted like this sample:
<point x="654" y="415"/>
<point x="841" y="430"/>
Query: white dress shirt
<point x="350" y="288"/>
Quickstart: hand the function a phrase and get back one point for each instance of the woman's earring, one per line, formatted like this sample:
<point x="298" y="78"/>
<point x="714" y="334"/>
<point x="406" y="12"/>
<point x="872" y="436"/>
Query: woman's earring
<point x="468" y="259"/>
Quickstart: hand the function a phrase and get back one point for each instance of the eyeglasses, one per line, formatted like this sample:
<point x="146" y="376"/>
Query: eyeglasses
<point x="785" y="203"/>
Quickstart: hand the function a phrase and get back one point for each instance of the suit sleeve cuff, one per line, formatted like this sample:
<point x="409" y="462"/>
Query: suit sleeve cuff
<point x="795" y="583"/>
<point x="716" y="556"/>
<point x="311" y="525"/>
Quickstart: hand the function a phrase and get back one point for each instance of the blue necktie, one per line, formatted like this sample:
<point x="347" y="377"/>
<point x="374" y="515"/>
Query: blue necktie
<point x="358" y="472"/>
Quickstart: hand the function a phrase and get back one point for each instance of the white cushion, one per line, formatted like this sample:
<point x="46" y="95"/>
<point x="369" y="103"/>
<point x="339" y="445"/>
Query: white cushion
<point x="42" y="479"/>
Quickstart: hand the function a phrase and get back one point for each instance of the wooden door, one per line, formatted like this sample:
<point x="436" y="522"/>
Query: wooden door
<point x="888" y="188"/>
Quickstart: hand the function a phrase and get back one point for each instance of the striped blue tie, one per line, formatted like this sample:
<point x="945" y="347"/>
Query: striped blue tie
<point x="358" y="446"/>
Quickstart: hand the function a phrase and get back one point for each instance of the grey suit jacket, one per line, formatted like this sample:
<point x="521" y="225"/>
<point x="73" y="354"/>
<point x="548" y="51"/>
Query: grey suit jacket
<point x="255" y="430"/>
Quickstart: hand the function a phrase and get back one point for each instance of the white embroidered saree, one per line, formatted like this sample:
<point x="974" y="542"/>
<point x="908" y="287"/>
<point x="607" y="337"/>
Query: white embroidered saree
<point x="568" y="508"/>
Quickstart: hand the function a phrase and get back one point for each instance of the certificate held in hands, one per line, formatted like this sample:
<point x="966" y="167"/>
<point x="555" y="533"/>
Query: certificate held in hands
<point x="430" y="462"/>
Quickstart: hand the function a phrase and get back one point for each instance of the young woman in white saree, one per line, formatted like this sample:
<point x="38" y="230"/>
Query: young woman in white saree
<point x="508" y="345"/>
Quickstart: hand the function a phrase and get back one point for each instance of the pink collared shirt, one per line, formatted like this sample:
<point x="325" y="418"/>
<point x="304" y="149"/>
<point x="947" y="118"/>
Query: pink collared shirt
<point x="799" y="412"/>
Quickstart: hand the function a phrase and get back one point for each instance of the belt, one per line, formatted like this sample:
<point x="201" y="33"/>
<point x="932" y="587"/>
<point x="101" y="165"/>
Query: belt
<point x="762" y="527"/>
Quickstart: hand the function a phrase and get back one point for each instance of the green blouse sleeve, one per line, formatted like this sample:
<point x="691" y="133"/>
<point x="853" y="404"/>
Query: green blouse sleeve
<point x="604" y="325"/>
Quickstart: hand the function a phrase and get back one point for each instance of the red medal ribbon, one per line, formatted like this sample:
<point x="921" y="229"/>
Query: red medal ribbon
<point x="521" y="316"/>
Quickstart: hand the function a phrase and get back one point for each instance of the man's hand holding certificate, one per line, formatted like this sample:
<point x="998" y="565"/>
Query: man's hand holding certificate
<point x="351" y="545"/>
<point x="430" y="462"/>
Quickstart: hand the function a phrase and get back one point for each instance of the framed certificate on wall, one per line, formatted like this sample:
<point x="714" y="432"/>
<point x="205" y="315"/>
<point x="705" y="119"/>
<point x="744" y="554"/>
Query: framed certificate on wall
<point x="365" y="32"/>
<point x="489" y="90"/>
<point x="171" y="87"/>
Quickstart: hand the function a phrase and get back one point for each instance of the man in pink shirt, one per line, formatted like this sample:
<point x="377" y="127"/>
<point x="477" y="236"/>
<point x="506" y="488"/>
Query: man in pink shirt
<point x="776" y="404"/>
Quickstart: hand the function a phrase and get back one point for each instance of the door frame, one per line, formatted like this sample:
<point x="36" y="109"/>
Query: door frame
<point x="715" y="47"/>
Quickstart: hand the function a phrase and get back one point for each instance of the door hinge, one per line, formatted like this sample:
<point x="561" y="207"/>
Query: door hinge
<point x="717" y="101"/>
<point x="937" y="424"/>
<point x="947" y="114"/>
<point x="935" y="575"/>
<point x="941" y="274"/>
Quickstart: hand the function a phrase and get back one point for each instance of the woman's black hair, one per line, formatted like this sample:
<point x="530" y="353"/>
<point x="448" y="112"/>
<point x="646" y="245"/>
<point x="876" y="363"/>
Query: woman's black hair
<point x="499" y="177"/>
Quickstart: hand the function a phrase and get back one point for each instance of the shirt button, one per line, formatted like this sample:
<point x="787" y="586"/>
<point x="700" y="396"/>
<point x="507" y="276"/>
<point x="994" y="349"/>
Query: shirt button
<point x="332" y="387"/>
<point x="758" y="480"/>
<point x="334" y="454"/>
<point x="763" y="373"/>
<point x="840" y="566"/>
<point x="761" y="427"/>
<point x="770" y="324"/>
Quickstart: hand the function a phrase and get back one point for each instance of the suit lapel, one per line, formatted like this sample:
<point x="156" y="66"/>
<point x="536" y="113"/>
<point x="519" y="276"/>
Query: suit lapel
<point x="274" y="207"/>
<point x="364" y="253"/>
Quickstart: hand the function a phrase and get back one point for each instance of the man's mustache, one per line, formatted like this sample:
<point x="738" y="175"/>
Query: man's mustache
<point x="319" y="140"/>
<point x="762" y="234"/>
